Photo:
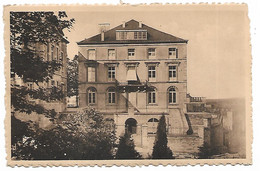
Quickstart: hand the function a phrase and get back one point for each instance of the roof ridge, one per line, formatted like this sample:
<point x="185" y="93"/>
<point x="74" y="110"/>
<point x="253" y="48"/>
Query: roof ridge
<point x="155" y="35"/>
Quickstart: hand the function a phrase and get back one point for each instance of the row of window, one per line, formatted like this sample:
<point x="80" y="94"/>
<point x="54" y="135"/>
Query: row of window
<point x="131" y="35"/>
<point x="111" y="96"/>
<point x="54" y="53"/>
<point x="151" y="53"/>
<point x="47" y="84"/>
<point x="111" y="73"/>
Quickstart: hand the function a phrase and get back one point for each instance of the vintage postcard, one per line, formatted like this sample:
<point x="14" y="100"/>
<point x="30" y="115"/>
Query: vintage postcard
<point x="128" y="85"/>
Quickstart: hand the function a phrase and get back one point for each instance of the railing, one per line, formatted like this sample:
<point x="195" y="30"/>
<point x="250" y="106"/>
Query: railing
<point x="196" y="99"/>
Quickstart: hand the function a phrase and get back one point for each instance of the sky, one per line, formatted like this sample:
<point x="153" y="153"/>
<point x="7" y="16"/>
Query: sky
<point x="218" y="47"/>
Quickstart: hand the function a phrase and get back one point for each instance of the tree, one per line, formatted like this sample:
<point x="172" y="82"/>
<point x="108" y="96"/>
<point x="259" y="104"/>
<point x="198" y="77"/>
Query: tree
<point x="126" y="148"/>
<point x="27" y="30"/>
<point x="205" y="151"/>
<point x="82" y="136"/>
<point x="72" y="77"/>
<point x="160" y="148"/>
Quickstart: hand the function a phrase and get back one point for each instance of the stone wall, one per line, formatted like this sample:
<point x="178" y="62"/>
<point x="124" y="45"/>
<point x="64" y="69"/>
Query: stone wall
<point x="181" y="146"/>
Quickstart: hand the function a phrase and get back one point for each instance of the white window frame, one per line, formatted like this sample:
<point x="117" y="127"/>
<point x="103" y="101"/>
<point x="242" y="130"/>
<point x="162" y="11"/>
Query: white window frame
<point x="151" y="73"/>
<point x="111" y="73"/>
<point x="91" y="96"/>
<point x="172" y="95"/>
<point x="91" y="56"/>
<point x="151" y="52"/>
<point x="131" y="54"/>
<point x="111" y="95"/>
<point x="172" y="72"/>
<point x="111" y="57"/>
<point x="151" y="97"/>
<point x="93" y="68"/>
<point x="171" y="53"/>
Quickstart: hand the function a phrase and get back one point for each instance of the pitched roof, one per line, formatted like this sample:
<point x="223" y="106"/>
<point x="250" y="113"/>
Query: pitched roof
<point x="153" y="36"/>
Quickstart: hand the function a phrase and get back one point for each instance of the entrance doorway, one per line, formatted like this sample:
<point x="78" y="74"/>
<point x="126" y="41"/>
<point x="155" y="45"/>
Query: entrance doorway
<point x="130" y="126"/>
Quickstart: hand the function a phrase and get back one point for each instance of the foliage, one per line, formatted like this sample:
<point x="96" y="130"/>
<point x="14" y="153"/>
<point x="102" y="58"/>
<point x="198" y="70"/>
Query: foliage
<point x="160" y="148"/>
<point x="29" y="29"/>
<point x="126" y="148"/>
<point x="205" y="151"/>
<point x="72" y="77"/>
<point x="86" y="136"/>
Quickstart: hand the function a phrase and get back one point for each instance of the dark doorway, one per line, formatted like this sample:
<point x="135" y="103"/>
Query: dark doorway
<point x="130" y="126"/>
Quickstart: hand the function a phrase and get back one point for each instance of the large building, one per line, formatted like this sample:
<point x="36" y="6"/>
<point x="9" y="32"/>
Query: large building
<point x="134" y="74"/>
<point x="52" y="51"/>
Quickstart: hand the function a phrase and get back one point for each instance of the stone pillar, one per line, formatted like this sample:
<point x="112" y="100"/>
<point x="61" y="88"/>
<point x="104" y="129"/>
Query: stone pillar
<point x="144" y="135"/>
<point x="201" y="131"/>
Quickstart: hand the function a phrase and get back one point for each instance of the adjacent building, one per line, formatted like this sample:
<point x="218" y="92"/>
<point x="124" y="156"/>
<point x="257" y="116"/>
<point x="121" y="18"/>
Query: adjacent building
<point x="134" y="74"/>
<point x="52" y="51"/>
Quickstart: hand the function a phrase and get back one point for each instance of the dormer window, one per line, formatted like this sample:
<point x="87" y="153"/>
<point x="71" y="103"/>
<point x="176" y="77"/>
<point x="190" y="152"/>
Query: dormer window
<point x="131" y="35"/>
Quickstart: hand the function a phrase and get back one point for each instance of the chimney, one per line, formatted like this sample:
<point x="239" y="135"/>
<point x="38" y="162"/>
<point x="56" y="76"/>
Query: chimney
<point x="123" y="25"/>
<point x="103" y="27"/>
<point x="140" y="24"/>
<point x="102" y="36"/>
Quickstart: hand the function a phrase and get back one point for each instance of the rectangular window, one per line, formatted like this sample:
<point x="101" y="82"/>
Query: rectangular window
<point x="151" y="97"/>
<point x="151" y="52"/>
<point x="111" y="54"/>
<point x="151" y="72"/>
<point x="91" y="74"/>
<point x="91" y="54"/>
<point x="121" y="35"/>
<point x="111" y="73"/>
<point x="131" y="35"/>
<point x="131" y="53"/>
<point x="111" y="97"/>
<point x="57" y="54"/>
<point x="48" y="52"/>
<point x="173" y="53"/>
<point x="144" y="35"/>
<point x="61" y="56"/>
<point x="135" y="34"/>
<point x="172" y="73"/>
<point x="172" y="97"/>
<point x="91" y="97"/>
<point x="139" y="35"/>
<point x="52" y="52"/>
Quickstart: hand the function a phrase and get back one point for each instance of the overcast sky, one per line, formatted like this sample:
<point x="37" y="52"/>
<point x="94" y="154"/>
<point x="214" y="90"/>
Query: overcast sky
<point x="217" y="48"/>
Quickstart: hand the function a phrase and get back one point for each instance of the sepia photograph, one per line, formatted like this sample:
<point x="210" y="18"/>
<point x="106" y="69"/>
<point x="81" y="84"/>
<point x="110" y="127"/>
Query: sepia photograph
<point x="131" y="85"/>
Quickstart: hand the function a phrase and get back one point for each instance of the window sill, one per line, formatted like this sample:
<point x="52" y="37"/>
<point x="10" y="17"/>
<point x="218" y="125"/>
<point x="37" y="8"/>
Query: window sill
<point x="173" y="80"/>
<point x="172" y="57"/>
<point x="92" y="104"/>
<point x="111" y="104"/>
<point x="173" y="104"/>
<point x="111" y="81"/>
<point x="152" y="104"/>
<point x="151" y="80"/>
<point x="151" y="57"/>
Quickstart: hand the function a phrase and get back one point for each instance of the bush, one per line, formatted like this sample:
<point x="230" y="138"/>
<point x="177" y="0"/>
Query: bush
<point x="160" y="148"/>
<point x="126" y="148"/>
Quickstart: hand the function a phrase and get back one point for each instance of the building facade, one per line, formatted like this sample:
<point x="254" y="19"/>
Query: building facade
<point x="48" y="52"/>
<point x="134" y="74"/>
